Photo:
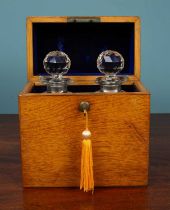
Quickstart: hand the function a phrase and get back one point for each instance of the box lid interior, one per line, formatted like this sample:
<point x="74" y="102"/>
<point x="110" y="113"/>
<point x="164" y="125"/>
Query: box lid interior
<point x="82" y="41"/>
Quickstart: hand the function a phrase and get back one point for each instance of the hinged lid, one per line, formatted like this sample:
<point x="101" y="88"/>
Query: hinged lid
<point x="83" y="39"/>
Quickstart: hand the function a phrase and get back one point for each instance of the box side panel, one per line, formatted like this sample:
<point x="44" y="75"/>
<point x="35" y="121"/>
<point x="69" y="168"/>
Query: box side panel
<point x="51" y="139"/>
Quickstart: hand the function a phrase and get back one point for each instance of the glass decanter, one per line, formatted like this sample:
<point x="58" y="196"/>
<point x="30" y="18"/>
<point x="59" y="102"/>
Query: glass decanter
<point x="110" y="63"/>
<point x="56" y="64"/>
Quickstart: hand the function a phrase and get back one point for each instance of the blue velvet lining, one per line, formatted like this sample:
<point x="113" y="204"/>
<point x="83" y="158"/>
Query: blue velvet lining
<point x="83" y="42"/>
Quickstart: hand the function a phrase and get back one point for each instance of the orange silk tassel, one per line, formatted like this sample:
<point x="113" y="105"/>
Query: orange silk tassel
<point x="86" y="181"/>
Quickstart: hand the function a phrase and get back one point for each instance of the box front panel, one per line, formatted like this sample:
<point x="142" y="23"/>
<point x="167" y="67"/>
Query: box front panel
<point x="51" y="127"/>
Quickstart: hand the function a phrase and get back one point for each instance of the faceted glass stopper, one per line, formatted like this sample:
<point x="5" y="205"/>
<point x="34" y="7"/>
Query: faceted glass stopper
<point x="56" y="63"/>
<point x="110" y="62"/>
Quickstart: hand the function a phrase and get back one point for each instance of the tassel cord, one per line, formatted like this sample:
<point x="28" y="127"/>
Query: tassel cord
<point x="86" y="119"/>
<point x="87" y="180"/>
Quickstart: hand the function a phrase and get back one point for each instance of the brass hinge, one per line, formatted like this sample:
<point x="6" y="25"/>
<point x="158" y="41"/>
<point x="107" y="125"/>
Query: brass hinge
<point x="83" y="19"/>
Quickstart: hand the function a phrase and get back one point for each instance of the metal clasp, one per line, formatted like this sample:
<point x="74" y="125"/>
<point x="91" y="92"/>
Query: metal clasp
<point x="84" y="105"/>
<point x="83" y="19"/>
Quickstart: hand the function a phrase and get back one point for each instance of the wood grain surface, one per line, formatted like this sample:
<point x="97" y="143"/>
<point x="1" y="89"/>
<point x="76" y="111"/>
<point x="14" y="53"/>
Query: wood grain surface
<point x="51" y="127"/>
<point x="154" y="197"/>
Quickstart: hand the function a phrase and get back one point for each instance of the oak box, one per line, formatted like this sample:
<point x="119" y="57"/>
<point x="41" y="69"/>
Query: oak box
<point x="51" y="124"/>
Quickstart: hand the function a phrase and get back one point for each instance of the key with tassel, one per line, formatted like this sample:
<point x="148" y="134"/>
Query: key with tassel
<point x="86" y="180"/>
